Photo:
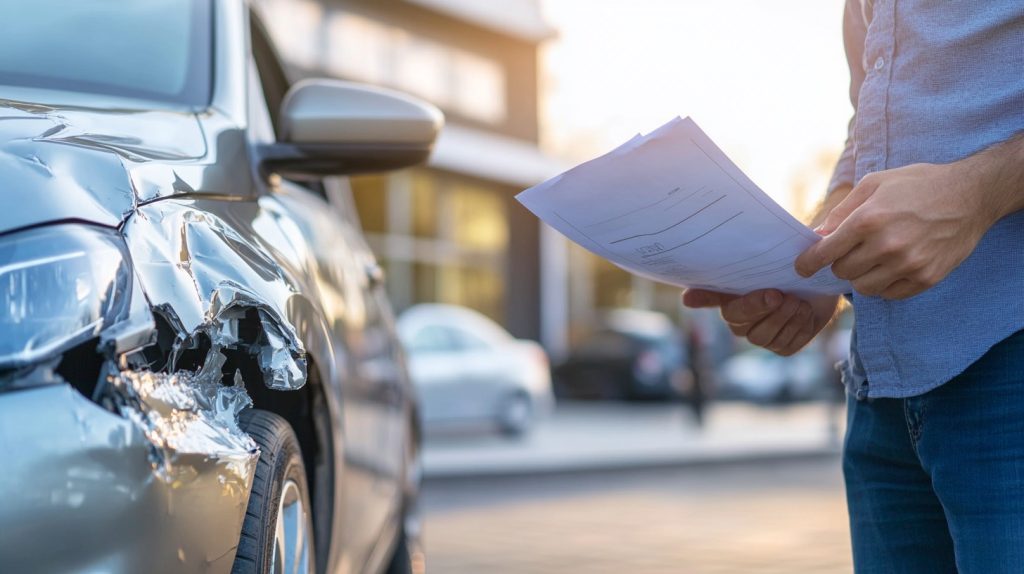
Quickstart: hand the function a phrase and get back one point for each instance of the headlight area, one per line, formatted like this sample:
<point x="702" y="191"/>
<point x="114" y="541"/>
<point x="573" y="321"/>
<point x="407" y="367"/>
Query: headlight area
<point x="61" y="287"/>
<point x="101" y="433"/>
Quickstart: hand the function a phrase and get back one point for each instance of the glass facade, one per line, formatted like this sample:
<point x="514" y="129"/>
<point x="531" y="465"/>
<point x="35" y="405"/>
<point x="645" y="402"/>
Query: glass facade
<point x="441" y="237"/>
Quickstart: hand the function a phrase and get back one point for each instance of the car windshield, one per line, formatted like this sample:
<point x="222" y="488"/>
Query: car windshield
<point x="153" y="49"/>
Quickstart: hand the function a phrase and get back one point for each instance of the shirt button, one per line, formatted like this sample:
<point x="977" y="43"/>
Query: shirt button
<point x="879" y="63"/>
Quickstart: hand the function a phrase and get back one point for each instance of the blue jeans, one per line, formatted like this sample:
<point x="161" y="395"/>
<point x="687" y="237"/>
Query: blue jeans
<point x="935" y="483"/>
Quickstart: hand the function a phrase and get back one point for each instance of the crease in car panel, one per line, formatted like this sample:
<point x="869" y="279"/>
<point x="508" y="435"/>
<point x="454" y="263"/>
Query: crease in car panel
<point x="174" y="244"/>
<point x="183" y="388"/>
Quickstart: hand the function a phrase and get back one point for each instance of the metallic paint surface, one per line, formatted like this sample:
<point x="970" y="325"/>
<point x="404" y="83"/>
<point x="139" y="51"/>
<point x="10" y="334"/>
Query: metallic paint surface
<point x="84" y="496"/>
<point x="152" y="474"/>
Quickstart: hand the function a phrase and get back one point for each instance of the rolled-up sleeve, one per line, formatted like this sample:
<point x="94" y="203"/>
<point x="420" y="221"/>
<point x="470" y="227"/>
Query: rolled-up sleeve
<point x="854" y="31"/>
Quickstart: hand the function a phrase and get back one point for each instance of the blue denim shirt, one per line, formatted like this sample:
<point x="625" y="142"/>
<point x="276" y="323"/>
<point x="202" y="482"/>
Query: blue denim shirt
<point x="934" y="81"/>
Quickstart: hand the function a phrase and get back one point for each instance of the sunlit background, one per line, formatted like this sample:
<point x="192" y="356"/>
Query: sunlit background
<point x="552" y="382"/>
<point x="767" y="81"/>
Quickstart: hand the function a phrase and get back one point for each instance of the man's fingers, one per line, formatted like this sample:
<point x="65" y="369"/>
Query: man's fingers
<point x="854" y="264"/>
<point x="764" y="332"/>
<point x="802" y="320"/>
<point x="752" y="307"/>
<point x="697" y="298"/>
<point x="857" y="196"/>
<point x="803" y="336"/>
<point x="826" y="251"/>
<point x="875" y="282"/>
<point x="903" y="289"/>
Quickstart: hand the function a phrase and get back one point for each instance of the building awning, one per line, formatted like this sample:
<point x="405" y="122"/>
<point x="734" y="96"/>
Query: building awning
<point x="517" y="18"/>
<point x="493" y="157"/>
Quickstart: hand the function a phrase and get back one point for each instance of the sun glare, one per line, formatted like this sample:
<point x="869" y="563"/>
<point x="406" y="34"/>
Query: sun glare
<point x="766" y="80"/>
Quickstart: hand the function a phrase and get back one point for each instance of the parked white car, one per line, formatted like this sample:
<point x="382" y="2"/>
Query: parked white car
<point x="467" y="369"/>
<point x="760" y="375"/>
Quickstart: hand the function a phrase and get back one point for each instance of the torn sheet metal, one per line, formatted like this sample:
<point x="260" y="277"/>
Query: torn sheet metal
<point x="187" y="416"/>
<point x="81" y="475"/>
<point x="203" y="276"/>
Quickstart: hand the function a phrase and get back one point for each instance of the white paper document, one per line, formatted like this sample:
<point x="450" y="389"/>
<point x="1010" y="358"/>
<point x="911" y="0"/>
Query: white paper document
<point x="670" y="206"/>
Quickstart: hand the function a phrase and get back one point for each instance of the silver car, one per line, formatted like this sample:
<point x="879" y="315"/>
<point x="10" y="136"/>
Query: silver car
<point x="198" y="366"/>
<point x="467" y="369"/>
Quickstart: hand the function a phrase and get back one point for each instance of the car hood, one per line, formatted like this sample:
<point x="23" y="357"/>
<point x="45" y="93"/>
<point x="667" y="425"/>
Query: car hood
<point x="66" y="163"/>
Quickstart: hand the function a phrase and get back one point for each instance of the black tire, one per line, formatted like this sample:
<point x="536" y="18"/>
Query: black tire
<point x="401" y="560"/>
<point x="516" y="416"/>
<point x="280" y="462"/>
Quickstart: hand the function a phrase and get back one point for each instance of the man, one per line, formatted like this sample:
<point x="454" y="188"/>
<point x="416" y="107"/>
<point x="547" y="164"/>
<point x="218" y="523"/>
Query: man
<point x="924" y="218"/>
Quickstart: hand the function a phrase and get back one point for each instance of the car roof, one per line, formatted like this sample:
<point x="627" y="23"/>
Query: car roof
<point x="453" y="316"/>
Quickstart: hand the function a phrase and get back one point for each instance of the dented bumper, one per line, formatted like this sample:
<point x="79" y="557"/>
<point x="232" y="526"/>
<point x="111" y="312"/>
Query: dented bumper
<point x="81" y="494"/>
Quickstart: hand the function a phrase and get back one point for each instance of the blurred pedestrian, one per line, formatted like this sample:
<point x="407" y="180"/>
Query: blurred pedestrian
<point x="698" y="360"/>
<point x="923" y="217"/>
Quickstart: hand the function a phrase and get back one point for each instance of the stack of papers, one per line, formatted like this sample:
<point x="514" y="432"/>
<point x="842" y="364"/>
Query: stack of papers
<point x="670" y="206"/>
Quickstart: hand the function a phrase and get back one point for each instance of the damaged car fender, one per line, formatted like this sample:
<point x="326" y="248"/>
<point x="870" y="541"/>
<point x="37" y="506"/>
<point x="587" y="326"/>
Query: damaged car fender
<point x="204" y="278"/>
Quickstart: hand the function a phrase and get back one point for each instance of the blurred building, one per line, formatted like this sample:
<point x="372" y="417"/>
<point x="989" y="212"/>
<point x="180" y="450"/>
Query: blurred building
<point x="450" y="231"/>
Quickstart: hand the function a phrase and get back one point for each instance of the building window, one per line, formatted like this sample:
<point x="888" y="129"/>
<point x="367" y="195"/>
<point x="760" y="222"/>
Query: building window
<point x="612" y="286"/>
<point x="367" y="50"/>
<point x="478" y="288"/>
<point x="444" y="237"/>
<point x="479" y="221"/>
<point x="424" y="204"/>
<point x="372" y="203"/>
<point x="295" y="27"/>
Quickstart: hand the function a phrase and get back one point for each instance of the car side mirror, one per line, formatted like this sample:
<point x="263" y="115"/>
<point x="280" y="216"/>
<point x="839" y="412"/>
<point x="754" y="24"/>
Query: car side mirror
<point x="331" y="127"/>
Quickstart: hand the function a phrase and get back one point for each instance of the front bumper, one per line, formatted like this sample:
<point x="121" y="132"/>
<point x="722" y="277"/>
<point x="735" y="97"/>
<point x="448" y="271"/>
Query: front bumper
<point x="80" y="494"/>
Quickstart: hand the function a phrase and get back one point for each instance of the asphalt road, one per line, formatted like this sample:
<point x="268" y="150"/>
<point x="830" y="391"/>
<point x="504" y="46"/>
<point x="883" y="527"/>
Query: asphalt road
<point x="777" y="518"/>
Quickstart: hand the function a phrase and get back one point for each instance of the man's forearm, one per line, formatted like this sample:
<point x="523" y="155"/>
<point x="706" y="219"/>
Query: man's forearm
<point x="999" y="171"/>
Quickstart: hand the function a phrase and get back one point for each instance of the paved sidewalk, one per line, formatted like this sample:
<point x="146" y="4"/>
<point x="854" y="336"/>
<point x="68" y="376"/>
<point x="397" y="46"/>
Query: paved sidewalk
<point x="593" y="436"/>
<point x="763" y="518"/>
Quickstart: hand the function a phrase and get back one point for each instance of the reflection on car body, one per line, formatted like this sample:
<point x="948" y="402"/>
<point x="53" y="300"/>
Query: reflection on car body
<point x="158" y="278"/>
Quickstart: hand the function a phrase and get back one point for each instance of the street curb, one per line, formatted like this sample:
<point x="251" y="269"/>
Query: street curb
<point x="759" y="456"/>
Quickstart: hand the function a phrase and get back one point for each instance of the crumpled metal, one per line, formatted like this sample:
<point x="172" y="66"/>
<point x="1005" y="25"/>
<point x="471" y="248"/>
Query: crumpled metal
<point x="156" y="456"/>
<point x="186" y="415"/>
<point x="202" y="275"/>
<point x="85" y="478"/>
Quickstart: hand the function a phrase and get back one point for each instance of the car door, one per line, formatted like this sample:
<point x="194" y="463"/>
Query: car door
<point x="378" y="358"/>
<point x="364" y="347"/>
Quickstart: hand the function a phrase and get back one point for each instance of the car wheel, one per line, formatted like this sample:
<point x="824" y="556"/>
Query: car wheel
<point x="277" y="533"/>
<point x="516" y="415"/>
<point x="401" y="560"/>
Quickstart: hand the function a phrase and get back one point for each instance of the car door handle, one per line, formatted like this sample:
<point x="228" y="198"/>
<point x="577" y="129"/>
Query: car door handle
<point x="374" y="274"/>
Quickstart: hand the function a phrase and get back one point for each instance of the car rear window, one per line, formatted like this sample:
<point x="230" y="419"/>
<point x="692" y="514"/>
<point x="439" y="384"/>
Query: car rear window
<point x="150" y="49"/>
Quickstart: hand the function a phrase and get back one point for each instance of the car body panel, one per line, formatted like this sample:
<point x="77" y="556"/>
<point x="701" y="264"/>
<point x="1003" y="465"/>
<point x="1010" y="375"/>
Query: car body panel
<point x="225" y="261"/>
<point x="86" y="477"/>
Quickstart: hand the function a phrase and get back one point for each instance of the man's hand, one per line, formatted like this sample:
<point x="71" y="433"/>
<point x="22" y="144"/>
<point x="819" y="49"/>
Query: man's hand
<point x="901" y="231"/>
<point x="768" y="318"/>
